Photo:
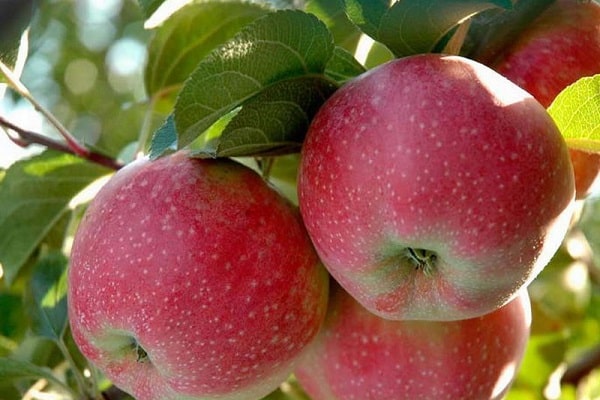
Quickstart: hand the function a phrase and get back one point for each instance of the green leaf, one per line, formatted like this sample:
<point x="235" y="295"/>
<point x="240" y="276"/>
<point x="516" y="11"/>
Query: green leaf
<point x="149" y="6"/>
<point x="48" y="296"/>
<point x="414" y="26"/>
<point x="12" y="370"/>
<point x="367" y="14"/>
<point x="34" y="194"/>
<point x="13" y="323"/>
<point x="164" y="139"/>
<point x="189" y="35"/>
<point x="275" y="121"/>
<point x="333" y="14"/>
<point x="342" y="66"/>
<point x="576" y="111"/>
<point x="12" y="28"/>
<point x="275" y="48"/>
<point x="492" y="30"/>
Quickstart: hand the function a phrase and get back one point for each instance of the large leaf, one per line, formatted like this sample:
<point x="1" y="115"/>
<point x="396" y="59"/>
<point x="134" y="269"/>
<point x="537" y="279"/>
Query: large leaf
<point x="275" y="49"/>
<point x="48" y="296"/>
<point x="333" y="14"/>
<point x="342" y="66"/>
<point x="149" y="6"/>
<point x="12" y="370"/>
<point x="34" y="194"/>
<point x="276" y="120"/>
<point x="15" y="16"/>
<point x="414" y="26"/>
<point x="367" y="14"/>
<point x="576" y="111"/>
<point x="13" y="322"/>
<point x="491" y="31"/>
<point x="189" y="35"/>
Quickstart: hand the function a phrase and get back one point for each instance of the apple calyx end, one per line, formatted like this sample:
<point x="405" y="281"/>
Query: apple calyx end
<point x="142" y="355"/>
<point x="422" y="259"/>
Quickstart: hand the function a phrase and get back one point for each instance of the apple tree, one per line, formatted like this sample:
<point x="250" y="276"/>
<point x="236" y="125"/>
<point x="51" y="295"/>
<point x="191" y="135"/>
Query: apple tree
<point x="88" y="87"/>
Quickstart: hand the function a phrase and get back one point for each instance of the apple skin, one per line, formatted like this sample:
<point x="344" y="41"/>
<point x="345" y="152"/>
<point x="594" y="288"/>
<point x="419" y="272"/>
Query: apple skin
<point x="359" y="356"/>
<point x="434" y="188"/>
<point x="561" y="46"/>
<point x="194" y="279"/>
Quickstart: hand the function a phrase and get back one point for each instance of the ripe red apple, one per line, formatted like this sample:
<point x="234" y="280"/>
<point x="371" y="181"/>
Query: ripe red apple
<point x="359" y="356"/>
<point x="561" y="46"/>
<point x="194" y="279"/>
<point x="434" y="188"/>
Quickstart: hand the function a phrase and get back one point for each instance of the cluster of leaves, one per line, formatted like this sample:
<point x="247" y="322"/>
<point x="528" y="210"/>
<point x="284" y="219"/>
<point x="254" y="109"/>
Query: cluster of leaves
<point x="244" y="79"/>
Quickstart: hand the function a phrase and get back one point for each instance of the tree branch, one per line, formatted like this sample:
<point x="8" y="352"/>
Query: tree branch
<point x="25" y="138"/>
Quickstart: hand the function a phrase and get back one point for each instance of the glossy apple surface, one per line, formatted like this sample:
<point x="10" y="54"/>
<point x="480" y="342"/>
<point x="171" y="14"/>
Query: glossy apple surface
<point x="558" y="48"/>
<point x="194" y="279"/>
<point x="359" y="356"/>
<point x="434" y="188"/>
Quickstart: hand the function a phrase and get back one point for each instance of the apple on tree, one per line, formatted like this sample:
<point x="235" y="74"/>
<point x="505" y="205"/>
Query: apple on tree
<point x="434" y="188"/>
<point x="561" y="46"/>
<point x="359" y="356"/>
<point x="194" y="279"/>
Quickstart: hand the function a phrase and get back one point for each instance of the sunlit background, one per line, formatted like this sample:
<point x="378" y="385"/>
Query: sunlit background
<point x="85" y="64"/>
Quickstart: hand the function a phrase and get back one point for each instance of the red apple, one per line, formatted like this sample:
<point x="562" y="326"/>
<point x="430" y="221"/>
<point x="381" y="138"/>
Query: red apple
<point x="359" y="356"/>
<point x="434" y="188"/>
<point x="558" y="48"/>
<point x="194" y="279"/>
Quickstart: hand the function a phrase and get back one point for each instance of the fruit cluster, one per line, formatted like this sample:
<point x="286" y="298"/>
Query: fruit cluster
<point x="432" y="190"/>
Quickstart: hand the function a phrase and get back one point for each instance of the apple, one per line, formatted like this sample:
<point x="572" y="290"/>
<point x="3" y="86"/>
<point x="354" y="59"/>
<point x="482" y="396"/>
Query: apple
<point x="360" y="356"/>
<point x="561" y="46"/>
<point x="194" y="279"/>
<point x="434" y="188"/>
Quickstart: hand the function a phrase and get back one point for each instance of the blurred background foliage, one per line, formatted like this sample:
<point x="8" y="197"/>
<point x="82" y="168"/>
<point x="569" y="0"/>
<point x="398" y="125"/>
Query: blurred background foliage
<point x="86" y="63"/>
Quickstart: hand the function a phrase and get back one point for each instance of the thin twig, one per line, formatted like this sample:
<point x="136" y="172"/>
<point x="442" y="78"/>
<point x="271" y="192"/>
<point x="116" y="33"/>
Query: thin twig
<point x="25" y="138"/>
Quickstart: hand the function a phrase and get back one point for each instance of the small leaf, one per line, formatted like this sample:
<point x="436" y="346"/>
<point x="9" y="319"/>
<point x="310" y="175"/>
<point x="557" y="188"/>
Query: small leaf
<point x="164" y="139"/>
<point x="48" y="296"/>
<point x="190" y="34"/>
<point x="416" y="26"/>
<point x="34" y="194"/>
<point x="12" y="370"/>
<point x="342" y="66"/>
<point x="275" y="48"/>
<point x="576" y="112"/>
<point x="275" y="121"/>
